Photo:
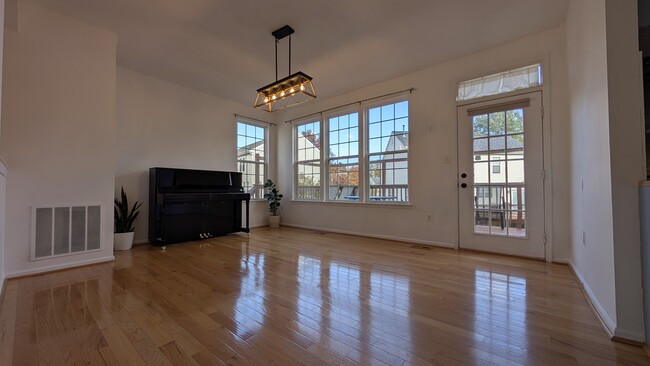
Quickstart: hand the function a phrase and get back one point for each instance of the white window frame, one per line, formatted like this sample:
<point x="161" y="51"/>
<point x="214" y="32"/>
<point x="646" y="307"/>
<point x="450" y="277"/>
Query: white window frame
<point x="296" y="162"/>
<point x="366" y="154"/>
<point x="325" y="121"/>
<point x="363" y="155"/>
<point x="265" y="163"/>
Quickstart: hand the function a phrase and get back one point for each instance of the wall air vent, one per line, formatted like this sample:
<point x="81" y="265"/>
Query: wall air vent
<point x="65" y="230"/>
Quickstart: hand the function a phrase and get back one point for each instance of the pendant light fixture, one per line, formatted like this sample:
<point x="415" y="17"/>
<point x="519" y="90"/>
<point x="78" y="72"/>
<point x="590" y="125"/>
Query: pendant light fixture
<point x="294" y="89"/>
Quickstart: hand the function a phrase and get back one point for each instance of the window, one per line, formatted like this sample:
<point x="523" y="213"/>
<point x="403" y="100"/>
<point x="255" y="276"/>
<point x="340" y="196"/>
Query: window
<point x="503" y="82"/>
<point x="374" y="169"/>
<point x="343" y="159"/>
<point x="496" y="165"/>
<point x="308" y="158"/>
<point x="251" y="157"/>
<point x="388" y="141"/>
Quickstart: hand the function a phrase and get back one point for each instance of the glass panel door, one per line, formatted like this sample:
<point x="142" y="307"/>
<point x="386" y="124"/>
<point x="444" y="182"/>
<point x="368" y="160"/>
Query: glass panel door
<point x="501" y="195"/>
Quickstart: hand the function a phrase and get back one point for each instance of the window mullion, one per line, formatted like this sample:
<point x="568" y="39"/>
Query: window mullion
<point x="362" y="154"/>
<point x="324" y="158"/>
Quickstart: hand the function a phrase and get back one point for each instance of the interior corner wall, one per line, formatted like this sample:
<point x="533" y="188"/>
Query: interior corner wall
<point x="432" y="148"/>
<point x="592" y="238"/>
<point x="3" y="190"/>
<point x="161" y="124"/>
<point x="626" y="128"/>
<point x="58" y="128"/>
<point x="3" y="168"/>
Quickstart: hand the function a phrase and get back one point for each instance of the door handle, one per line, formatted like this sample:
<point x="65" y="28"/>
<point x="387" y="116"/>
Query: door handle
<point x="464" y="185"/>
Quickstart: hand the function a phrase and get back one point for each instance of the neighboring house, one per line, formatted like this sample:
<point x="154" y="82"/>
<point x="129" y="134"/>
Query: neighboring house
<point x="495" y="170"/>
<point x="389" y="172"/>
<point x="252" y="172"/>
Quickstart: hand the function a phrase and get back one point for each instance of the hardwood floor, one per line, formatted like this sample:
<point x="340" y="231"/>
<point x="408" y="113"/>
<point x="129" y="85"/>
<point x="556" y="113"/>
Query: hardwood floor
<point x="287" y="296"/>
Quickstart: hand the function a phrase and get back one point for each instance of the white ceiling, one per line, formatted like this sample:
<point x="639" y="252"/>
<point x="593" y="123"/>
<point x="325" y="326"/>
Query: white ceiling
<point x="225" y="47"/>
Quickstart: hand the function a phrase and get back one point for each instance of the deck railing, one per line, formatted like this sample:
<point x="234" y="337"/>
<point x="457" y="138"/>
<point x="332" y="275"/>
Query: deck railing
<point x="500" y="203"/>
<point x="308" y="193"/>
<point x="384" y="192"/>
<point x="392" y="192"/>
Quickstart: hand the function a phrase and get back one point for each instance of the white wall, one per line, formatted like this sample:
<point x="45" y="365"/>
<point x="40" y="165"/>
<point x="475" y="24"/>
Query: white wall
<point x="626" y="129"/>
<point x="160" y="124"/>
<point x="58" y="127"/>
<point x="432" y="142"/>
<point x="590" y="164"/>
<point x="606" y="158"/>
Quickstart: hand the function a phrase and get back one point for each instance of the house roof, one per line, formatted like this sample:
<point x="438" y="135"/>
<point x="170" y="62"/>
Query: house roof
<point x="245" y="149"/>
<point x="497" y="144"/>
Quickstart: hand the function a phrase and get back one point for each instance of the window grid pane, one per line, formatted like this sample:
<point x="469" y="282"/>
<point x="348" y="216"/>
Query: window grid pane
<point x="308" y="155"/>
<point x="499" y="183"/>
<point x="385" y="163"/>
<point x="251" y="158"/>
<point x="343" y="160"/>
<point x="388" y="153"/>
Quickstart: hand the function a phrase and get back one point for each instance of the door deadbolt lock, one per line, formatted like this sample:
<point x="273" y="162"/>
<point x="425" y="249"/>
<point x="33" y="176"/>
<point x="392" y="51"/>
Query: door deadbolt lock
<point x="464" y="185"/>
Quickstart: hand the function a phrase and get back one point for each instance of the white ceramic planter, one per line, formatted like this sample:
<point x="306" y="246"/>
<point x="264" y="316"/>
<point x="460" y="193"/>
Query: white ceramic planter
<point x="274" y="221"/>
<point x="123" y="241"/>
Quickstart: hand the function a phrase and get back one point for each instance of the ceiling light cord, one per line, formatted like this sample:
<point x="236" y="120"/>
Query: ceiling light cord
<point x="276" y="59"/>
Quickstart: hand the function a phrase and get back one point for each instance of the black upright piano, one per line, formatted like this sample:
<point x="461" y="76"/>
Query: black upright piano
<point x="189" y="204"/>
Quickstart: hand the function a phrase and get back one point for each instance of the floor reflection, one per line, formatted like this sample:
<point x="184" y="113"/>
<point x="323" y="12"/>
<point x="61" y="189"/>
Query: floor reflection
<point x="500" y="312"/>
<point x="250" y="304"/>
<point x="356" y="312"/>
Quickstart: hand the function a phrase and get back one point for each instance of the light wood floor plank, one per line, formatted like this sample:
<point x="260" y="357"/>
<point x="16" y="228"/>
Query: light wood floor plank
<point x="288" y="296"/>
<point x="8" y="323"/>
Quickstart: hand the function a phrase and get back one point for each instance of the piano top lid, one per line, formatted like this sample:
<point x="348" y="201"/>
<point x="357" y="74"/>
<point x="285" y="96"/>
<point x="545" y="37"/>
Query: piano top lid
<point x="192" y="180"/>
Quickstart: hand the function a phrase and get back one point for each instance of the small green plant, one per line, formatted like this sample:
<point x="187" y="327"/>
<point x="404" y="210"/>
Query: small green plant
<point x="272" y="195"/>
<point x="123" y="217"/>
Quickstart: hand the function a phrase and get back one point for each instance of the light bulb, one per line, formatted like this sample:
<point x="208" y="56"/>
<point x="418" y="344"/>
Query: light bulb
<point x="266" y="100"/>
<point x="302" y="87"/>
<point x="292" y="90"/>
<point x="282" y="94"/>
<point x="273" y="97"/>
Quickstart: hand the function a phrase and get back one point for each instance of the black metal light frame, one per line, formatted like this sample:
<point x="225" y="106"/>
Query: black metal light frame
<point x="292" y="90"/>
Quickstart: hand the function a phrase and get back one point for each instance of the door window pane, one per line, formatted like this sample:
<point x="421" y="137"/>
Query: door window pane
<point x="499" y="177"/>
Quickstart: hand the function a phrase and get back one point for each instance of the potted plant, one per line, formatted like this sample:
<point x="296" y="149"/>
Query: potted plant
<point x="274" y="197"/>
<point x="124" y="218"/>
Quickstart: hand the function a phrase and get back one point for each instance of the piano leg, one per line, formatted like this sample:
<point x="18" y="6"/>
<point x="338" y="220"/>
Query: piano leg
<point x="247" y="229"/>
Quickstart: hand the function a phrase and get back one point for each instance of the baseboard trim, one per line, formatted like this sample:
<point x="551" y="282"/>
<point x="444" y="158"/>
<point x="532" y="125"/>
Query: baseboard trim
<point x="633" y="338"/>
<point x="628" y="341"/>
<point x="561" y="261"/>
<point x="57" y="268"/>
<point x="384" y="237"/>
<point x="605" y="321"/>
